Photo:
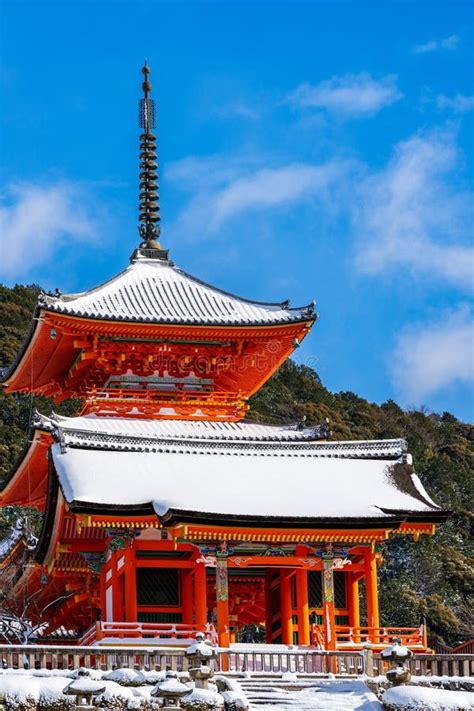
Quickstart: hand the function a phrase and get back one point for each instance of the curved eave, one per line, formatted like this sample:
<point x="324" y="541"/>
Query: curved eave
<point x="50" y="515"/>
<point x="174" y="517"/>
<point x="26" y="482"/>
<point x="61" y="352"/>
<point x="388" y="520"/>
<point x="434" y="516"/>
<point x="33" y="330"/>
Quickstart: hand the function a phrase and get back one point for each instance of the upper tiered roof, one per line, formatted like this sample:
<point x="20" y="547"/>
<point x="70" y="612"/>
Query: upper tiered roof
<point x="156" y="291"/>
<point x="154" y="310"/>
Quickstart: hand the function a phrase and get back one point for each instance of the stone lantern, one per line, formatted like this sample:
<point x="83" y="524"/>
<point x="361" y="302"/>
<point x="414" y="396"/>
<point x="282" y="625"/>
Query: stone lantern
<point x="84" y="689"/>
<point x="171" y="690"/>
<point x="397" y="654"/>
<point x="199" y="655"/>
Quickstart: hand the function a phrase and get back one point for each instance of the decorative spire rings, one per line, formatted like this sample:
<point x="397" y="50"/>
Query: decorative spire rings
<point x="149" y="214"/>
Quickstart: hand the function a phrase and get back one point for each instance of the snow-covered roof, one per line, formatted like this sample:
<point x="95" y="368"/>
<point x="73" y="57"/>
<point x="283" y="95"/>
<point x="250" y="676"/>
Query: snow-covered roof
<point x="156" y="291"/>
<point x="222" y="479"/>
<point x="16" y="534"/>
<point x="153" y="435"/>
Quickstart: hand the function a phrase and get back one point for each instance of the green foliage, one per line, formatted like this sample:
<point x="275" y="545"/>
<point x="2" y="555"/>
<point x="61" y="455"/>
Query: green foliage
<point x="432" y="577"/>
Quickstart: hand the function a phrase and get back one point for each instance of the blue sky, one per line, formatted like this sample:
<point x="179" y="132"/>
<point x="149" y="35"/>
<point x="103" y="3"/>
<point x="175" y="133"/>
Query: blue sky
<point x="307" y="150"/>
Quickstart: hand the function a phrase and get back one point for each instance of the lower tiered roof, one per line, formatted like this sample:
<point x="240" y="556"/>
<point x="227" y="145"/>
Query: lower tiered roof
<point x="209" y="471"/>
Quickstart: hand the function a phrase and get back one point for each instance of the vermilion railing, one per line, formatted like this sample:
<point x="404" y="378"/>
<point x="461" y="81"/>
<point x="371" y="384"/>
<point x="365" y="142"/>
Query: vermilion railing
<point x="105" y="631"/>
<point x="412" y="637"/>
<point x="148" y="394"/>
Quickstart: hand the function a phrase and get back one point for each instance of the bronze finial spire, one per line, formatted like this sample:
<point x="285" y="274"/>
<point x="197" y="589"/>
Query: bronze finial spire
<point x="149" y="215"/>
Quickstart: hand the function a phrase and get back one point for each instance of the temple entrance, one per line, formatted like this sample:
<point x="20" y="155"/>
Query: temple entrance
<point x="278" y="606"/>
<point x="246" y="605"/>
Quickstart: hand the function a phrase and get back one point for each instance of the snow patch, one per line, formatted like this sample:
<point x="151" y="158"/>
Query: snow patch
<point x="417" y="698"/>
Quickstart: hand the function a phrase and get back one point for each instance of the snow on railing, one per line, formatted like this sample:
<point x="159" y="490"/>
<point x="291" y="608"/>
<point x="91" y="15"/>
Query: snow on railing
<point x="450" y="665"/>
<point x="105" y="631"/>
<point x="300" y="661"/>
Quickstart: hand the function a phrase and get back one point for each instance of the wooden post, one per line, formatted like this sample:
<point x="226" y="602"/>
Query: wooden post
<point x="222" y="598"/>
<point x="117" y="590"/>
<point x="186" y="596"/>
<point x="303" y="606"/>
<point x="103" y="601"/>
<point x="328" y="604"/>
<point x="286" y="607"/>
<point x="368" y="656"/>
<point x="353" y="600"/>
<point x="372" y="601"/>
<point x="268" y="606"/>
<point x="130" y="573"/>
<point x="200" y="595"/>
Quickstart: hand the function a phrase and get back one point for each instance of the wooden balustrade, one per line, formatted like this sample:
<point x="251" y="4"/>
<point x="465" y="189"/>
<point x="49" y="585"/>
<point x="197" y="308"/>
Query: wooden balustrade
<point x="300" y="661"/>
<point x="303" y="661"/>
<point x="431" y="665"/>
<point x="466" y="647"/>
<point x="105" y="631"/>
<point x="105" y="658"/>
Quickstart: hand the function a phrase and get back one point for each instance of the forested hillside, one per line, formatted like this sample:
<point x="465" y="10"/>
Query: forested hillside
<point x="432" y="578"/>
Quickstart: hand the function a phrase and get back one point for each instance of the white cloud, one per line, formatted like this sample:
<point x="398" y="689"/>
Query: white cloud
<point x="350" y="95"/>
<point x="411" y="215"/>
<point x="35" y="219"/>
<point x="460" y="104"/>
<point x="195" y="173"/>
<point x="270" y="187"/>
<point x="429" y="358"/>
<point x="238" y="109"/>
<point x="451" y="42"/>
<point x="227" y="189"/>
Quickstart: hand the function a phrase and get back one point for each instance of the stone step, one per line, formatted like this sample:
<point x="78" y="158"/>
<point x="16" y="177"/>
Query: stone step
<point x="304" y="694"/>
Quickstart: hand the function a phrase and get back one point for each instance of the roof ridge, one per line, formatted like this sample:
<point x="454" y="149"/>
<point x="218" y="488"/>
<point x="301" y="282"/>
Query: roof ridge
<point x="43" y="296"/>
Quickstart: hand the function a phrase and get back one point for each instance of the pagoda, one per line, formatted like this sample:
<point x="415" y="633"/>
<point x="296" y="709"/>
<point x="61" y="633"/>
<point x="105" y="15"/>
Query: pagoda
<point x="167" y="512"/>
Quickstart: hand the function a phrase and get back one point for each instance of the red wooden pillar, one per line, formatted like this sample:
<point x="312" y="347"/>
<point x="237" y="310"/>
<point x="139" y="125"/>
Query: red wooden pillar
<point x="200" y="595"/>
<point x="130" y="585"/>
<point x="222" y="598"/>
<point x="328" y="604"/>
<point x="353" y="599"/>
<point x="103" y="598"/>
<point x="186" y="596"/>
<point x="117" y="588"/>
<point x="372" y="600"/>
<point x="268" y="606"/>
<point x="303" y="606"/>
<point x="286" y="607"/>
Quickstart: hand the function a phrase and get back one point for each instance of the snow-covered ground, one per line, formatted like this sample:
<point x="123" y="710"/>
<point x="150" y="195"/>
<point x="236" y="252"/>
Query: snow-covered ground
<point x="124" y="688"/>
<point x="303" y="694"/>
<point x="421" y="698"/>
<point x="130" y="689"/>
